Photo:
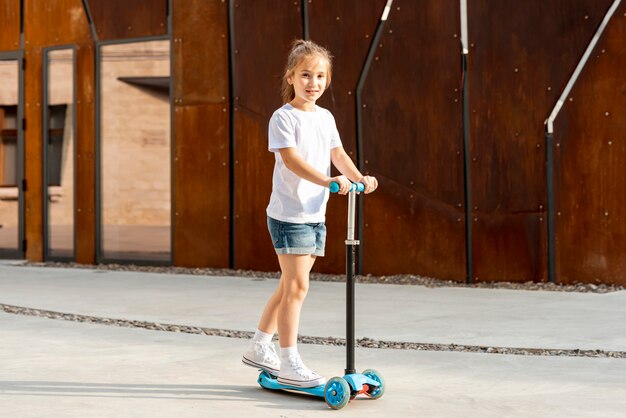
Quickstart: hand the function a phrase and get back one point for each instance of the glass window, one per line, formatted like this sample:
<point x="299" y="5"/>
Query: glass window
<point x="60" y="153"/>
<point x="9" y="193"/>
<point x="8" y="146"/>
<point x="58" y="142"/>
<point x="135" y="151"/>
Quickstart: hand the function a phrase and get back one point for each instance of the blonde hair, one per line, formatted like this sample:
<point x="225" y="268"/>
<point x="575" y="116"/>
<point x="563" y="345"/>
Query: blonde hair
<point x="301" y="50"/>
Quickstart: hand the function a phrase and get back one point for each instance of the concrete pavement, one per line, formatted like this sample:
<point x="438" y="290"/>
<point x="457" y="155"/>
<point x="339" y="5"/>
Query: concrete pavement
<point x="54" y="368"/>
<point x="497" y="317"/>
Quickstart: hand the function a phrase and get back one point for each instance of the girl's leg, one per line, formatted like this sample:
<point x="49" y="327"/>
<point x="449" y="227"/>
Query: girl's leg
<point x="295" y="278"/>
<point x="269" y="319"/>
<point x="295" y="285"/>
<point x="261" y="351"/>
<point x="268" y="322"/>
<point x="282" y="311"/>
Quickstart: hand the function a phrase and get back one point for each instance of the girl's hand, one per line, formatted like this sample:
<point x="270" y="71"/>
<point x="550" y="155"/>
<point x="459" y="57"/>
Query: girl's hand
<point x="370" y="183"/>
<point x="344" y="184"/>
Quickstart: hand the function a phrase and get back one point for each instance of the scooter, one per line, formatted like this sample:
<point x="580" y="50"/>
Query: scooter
<point x="338" y="391"/>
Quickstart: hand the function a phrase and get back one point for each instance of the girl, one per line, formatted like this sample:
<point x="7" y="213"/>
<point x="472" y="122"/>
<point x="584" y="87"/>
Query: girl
<point x="304" y="140"/>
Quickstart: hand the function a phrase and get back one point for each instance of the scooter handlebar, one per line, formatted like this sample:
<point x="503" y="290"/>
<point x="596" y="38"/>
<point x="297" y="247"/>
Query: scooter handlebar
<point x="358" y="187"/>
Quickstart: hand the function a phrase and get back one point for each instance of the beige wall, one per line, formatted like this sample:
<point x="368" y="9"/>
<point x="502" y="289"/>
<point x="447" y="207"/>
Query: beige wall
<point x="135" y="139"/>
<point x="8" y="83"/>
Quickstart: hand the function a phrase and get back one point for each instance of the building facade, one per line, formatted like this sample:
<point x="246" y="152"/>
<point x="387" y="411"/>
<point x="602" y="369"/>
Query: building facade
<point x="136" y="132"/>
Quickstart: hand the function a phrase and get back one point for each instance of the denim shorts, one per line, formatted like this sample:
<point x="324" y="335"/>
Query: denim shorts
<point x="289" y="238"/>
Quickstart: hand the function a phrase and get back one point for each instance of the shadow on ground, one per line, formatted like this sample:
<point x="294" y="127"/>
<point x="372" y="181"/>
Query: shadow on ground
<point x="266" y="398"/>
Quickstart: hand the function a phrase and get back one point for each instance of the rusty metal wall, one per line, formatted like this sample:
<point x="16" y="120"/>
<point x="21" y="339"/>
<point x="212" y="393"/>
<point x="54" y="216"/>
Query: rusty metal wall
<point x="521" y="56"/>
<point x="258" y="61"/>
<point x="413" y="143"/>
<point x="85" y="81"/>
<point x="201" y="142"/>
<point x="10" y="25"/>
<point x="590" y="156"/>
<point x="71" y="27"/>
<point x="54" y="22"/>
<point x="123" y="19"/>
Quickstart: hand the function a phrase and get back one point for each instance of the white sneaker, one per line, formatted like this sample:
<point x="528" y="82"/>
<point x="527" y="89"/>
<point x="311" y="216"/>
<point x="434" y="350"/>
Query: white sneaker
<point x="295" y="373"/>
<point x="262" y="356"/>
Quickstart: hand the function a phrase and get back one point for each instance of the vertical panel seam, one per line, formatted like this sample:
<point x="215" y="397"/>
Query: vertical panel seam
<point x="305" y="19"/>
<point x="170" y="32"/>
<point x="231" y="131"/>
<point x="21" y="24"/>
<point x="467" y="178"/>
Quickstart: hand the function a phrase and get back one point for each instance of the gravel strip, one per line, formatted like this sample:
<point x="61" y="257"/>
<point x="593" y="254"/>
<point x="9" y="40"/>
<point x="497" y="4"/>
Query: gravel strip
<point x="361" y="342"/>
<point x="398" y="279"/>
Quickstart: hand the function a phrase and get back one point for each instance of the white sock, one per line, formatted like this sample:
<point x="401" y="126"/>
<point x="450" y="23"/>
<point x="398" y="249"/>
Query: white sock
<point x="262" y="337"/>
<point x="287" y="352"/>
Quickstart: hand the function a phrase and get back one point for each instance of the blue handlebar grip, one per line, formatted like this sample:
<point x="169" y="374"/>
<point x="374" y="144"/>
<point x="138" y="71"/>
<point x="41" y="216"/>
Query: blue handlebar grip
<point x="334" y="187"/>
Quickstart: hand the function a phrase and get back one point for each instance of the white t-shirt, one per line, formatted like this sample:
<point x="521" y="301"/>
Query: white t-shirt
<point x="313" y="134"/>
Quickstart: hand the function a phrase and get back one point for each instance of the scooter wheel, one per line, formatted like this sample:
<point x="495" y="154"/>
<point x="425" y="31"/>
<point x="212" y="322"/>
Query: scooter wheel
<point x="337" y="393"/>
<point x="375" y="392"/>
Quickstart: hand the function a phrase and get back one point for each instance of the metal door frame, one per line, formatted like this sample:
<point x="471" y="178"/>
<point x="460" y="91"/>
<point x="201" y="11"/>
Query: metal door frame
<point x="44" y="109"/>
<point x="20" y="251"/>
<point x="100" y="258"/>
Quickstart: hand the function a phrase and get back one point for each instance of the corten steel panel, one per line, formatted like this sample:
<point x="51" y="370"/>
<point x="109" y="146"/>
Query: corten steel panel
<point x="201" y="134"/>
<point x="123" y="19"/>
<point x="263" y="31"/>
<point x="253" y="175"/>
<point x="413" y="143"/>
<point x="202" y="61"/>
<point x="85" y="149"/>
<point x="70" y="26"/>
<point x="589" y="166"/>
<point x="33" y="155"/>
<point x="521" y="56"/>
<point x="346" y="28"/>
<point x="201" y="186"/>
<point x="9" y="25"/>
<point x="54" y="22"/>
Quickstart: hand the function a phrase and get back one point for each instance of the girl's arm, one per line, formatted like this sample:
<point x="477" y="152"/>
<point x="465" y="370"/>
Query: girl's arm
<point x="344" y="164"/>
<point x="302" y="169"/>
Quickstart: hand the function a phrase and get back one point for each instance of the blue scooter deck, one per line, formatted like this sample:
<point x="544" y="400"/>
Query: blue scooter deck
<point x="270" y="382"/>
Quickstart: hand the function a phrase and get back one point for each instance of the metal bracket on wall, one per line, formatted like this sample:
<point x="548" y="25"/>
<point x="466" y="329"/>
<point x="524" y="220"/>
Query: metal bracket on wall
<point x="90" y="21"/>
<point x="549" y="139"/>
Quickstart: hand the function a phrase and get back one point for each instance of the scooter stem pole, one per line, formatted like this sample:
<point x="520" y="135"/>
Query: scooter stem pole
<point x="351" y="215"/>
<point x="351" y="244"/>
